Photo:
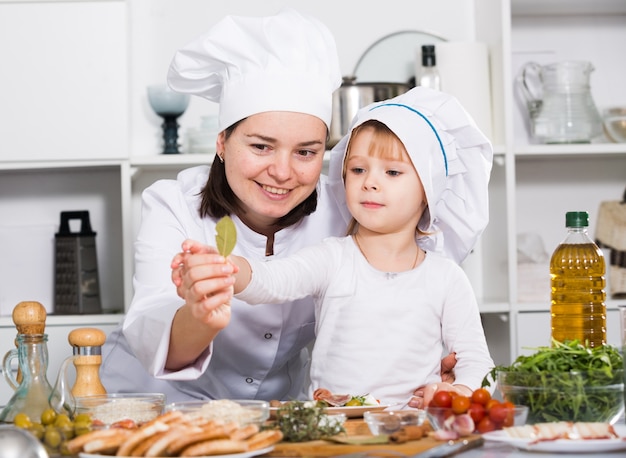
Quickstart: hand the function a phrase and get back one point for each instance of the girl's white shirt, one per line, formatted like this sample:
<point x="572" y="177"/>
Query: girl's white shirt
<point x="260" y="354"/>
<point x="378" y="333"/>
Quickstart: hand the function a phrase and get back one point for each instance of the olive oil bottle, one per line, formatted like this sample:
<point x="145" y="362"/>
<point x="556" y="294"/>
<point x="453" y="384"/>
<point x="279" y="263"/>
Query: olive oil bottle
<point x="577" y="269"/>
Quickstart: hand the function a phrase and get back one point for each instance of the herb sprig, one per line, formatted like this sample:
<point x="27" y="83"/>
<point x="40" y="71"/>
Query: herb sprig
<point x="567" y="381"/>
<point x="301" y="421"/>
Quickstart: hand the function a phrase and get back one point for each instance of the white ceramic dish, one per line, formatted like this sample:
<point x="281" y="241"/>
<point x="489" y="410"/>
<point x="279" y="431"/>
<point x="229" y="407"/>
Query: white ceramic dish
<point x="563" y="445"/>
<point x="262" y="451"/>
<point x="349" y="412"/>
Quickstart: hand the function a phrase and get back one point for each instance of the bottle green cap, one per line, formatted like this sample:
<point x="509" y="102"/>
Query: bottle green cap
<point x="576" y="219"/>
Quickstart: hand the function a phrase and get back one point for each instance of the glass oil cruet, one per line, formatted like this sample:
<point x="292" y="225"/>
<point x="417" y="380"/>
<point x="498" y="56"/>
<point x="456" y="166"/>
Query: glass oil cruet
<point x="33" y="393"/>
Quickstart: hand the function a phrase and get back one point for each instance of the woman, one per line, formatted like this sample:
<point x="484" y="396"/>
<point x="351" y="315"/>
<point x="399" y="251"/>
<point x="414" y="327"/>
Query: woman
<point x="273" y="78"/>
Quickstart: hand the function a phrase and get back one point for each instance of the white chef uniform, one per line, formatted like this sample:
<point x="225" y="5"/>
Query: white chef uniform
<point x="249" y="65"/>
<point x="258" y="355"/>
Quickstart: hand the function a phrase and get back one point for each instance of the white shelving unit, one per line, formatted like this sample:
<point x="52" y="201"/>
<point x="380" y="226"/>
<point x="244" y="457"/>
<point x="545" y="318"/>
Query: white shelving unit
<point x="532" y="185"/>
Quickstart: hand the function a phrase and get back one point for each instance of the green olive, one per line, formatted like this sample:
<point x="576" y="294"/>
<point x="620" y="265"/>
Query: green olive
<point x="48" y="416"/>
<point x="66" y="431"/>
<point x="82" y="427"/>
<point x="52" y="437"/>
<point x="21" y="420"/>
<point x="82" y="418"/>
<point x="62" y="420"/>
<point x="37" y="430"/>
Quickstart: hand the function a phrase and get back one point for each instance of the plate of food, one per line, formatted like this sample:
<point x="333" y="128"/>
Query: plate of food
<point x="352" y="406"/>
<point x="348" y="411"/>
<point x="176" y="433"/>
<point x="231" y="455"/>
<point x="563" y="437"/>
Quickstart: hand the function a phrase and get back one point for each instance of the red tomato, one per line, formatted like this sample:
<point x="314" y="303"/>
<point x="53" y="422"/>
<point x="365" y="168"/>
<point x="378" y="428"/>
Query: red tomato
<point x="486" y="425"/>
<point x="491" y="403"/>
<point x="510" y="414"/>
<point x="476" y="411"/>
<point x="442" y="399"/>
<point x="460" y="404"/>
<point x="498" y="413"/>
<point x="481" y="396"/>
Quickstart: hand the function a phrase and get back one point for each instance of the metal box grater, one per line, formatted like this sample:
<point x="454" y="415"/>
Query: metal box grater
<point x="76" y="287"/>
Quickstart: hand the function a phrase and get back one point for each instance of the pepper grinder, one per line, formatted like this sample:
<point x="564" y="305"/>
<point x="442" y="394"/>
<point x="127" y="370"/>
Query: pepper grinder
<point x="87" y="350"/>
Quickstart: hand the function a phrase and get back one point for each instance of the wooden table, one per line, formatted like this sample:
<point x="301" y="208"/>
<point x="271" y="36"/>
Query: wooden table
<point x="356" y="430"/>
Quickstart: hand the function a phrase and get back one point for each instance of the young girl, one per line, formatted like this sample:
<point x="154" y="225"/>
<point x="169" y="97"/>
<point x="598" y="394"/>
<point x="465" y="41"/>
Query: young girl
<point x="384" y="305"/>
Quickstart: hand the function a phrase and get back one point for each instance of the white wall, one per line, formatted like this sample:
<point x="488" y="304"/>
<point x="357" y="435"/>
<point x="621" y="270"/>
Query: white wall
<point x="160" y="27"/>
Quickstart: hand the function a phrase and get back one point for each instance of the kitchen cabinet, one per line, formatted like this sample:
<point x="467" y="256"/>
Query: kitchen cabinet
<point x="116" y="155"/>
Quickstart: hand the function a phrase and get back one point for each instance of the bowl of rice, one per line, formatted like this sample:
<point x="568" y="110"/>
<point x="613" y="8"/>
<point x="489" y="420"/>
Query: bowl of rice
<point x="114" y="408"/>
<point x="243" y="412"/>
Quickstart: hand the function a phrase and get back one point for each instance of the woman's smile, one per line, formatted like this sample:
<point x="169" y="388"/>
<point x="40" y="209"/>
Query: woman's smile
<point x="273" y="191"/>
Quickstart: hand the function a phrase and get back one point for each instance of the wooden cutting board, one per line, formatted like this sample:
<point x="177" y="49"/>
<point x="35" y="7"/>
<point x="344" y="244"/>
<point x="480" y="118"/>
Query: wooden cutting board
<point x="358" y="429"/>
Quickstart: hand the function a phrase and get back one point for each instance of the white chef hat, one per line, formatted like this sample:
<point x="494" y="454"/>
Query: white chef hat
<point x="452" y="157"/>
<point x="249" y="65"/>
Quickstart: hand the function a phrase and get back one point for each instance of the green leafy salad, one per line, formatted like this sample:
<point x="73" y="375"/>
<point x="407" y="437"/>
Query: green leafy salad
<point x="565" y="382"/>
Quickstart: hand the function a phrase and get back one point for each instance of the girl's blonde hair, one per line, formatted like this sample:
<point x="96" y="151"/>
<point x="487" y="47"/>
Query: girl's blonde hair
<point x="383" y="145"/>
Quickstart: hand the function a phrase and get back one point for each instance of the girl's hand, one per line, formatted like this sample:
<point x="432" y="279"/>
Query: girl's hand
<point x="428" y="391"/>
<point x="447" y="375"/>
<point x="203" y="279"/>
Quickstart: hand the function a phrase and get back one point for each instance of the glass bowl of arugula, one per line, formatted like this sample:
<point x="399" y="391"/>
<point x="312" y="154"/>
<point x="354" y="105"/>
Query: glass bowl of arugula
<point x="566" y="382"/>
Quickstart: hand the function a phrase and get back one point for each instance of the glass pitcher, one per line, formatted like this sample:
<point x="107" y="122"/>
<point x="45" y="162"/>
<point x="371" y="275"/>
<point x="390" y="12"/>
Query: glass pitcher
<point x="34" y="394"/>
<point x="558" y="97"/>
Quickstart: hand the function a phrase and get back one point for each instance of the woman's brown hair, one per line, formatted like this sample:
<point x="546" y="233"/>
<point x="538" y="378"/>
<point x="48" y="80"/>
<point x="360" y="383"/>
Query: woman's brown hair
<point x="218" y="198"/>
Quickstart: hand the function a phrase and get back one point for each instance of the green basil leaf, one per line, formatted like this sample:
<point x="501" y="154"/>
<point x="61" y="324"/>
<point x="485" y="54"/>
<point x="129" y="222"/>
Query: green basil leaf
<point x="226" y="236"/>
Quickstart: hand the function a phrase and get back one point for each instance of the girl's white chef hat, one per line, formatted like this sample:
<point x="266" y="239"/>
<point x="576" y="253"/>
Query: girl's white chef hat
<point x="249" y="65"/>
<point x="452" y="157"/>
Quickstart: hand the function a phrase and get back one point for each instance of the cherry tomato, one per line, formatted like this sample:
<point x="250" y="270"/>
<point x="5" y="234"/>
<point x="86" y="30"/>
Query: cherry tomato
<point x="510" y="414"/>
<point x="498" y="413"/>
<point x="460" y="404"/>
<point x="491" y="403"/>
<point x="476" y="411"/>
<point x="481" y="396"/>
<point x="441" y="399"/>
<point x="486" y="425"/>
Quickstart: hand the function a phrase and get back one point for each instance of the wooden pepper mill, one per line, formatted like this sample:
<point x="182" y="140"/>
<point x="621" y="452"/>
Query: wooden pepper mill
<point x="29" y="318"/>
<point x="87" y="349"/>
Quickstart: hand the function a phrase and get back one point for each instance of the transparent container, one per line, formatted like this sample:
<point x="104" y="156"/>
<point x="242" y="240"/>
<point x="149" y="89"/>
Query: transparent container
<point x="578" y="296"/>
<point x="32" y="394"/>
<point x="559" y="101"/>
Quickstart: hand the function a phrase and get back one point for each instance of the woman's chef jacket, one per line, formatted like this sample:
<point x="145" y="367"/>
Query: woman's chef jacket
<point x="261" y="354"/>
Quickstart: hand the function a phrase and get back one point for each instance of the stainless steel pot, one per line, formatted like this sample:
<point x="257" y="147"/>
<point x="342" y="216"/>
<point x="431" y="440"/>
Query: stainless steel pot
<point x="351" y="96"/>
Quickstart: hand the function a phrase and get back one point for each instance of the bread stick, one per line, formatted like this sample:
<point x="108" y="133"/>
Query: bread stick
<point x="244" y="433"/>
<point x="106" y="445"/>
<point x="143" y="446"/>
<point x="264" y="439"/>
<point x="76" y="445"/>
<point x="215" y="447"/>
<point x="159" y="446"/>
<point x="140" y="435"/>
<point x="210" y="432"/>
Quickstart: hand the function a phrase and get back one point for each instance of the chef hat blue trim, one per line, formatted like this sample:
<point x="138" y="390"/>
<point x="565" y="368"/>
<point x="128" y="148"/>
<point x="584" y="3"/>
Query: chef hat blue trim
<point x="445" y="158"/>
